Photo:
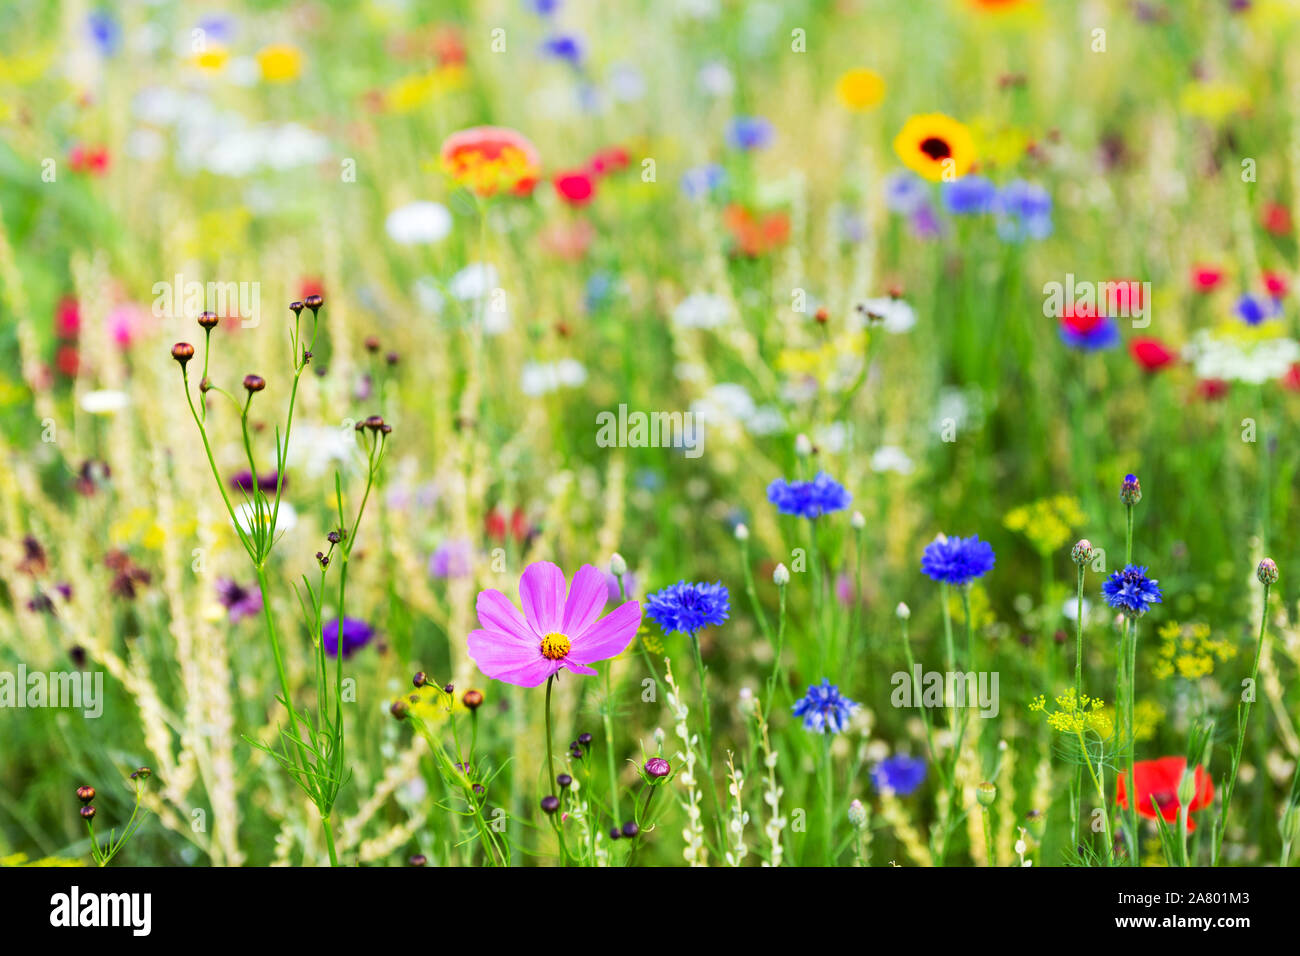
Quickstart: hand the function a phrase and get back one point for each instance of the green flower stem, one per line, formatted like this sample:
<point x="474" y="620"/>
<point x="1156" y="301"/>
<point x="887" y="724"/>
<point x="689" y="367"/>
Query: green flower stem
<point x="775" y="676"/>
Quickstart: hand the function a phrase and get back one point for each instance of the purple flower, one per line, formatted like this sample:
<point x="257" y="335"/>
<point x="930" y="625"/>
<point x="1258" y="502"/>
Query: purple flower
<point x="611" y="583"/>
<point x="356" y="635"/>
<point x="809" y="499"/>
<point x="957" y="560"/>
<point x="900" y="774"/>
<point x="565" y="47"/>
<point x="700" y="181"/>
<point x="1253" y="309"/>
<point x="969" y="195"/>
<point x="239" y="601"/>
<point x="1131" y="591"/>
<point x="904" y="192"/>
<point x="749" y="133"/>
<point x="684" y="608"/>
<point x="452" y="559"/>
<point x="1024" y="211"/>
<point x="1104" y="334"/>
<point x="824" y="709"/>
<point x="244" y="481"/>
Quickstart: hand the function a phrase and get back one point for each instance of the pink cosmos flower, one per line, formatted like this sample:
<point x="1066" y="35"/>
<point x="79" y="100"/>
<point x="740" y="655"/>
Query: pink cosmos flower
<point x="554" y="632"/>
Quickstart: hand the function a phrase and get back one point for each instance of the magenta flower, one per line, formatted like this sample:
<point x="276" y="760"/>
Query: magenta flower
<point x="554" y="632"/>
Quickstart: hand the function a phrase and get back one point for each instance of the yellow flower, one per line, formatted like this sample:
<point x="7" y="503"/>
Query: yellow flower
<point x="860" y="89"/>
<point x="1189" y="651"/>
<point x="213" y="59"/>
<point x="280" y="62"/>
<point x="1147" y="715"/>
<point x="981" y="611"/>
<point x="1214" y="101"/>
<point x="936" y="146"/>
<point x="1073" y="716"/>
<point x="1047" y="523"/>
<point x="432" y="704"/>
<point x="412" y="92"/>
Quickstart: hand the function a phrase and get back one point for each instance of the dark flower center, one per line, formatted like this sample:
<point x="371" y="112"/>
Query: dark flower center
<point x="936" y="148"/>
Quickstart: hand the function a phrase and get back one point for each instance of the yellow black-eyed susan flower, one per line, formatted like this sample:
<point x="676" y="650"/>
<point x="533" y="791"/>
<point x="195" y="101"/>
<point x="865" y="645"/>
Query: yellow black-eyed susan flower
<point x="936" y="146"/>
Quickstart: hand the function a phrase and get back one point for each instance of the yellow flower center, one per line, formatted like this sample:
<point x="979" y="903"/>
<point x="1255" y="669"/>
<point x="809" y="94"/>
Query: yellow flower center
<point x="555" y="645"/>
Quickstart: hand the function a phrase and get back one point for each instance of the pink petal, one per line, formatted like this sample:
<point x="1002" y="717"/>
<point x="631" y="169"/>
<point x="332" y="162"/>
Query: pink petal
<point x="609" y="636"/>
<point x="502" y="657"/>
<point x="496" y="613"/>
<point x="541" y="591"/>
<point x="587" y="596"/>
<point x="577" y="668"/>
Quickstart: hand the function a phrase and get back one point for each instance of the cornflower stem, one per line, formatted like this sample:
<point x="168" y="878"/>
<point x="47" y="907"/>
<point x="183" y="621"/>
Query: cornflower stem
<point x="819" y="609"/>
<point x="952" y="722"/>
<point x="1243" y="718"/>
<point x="1131" y="628"/>
<point x="706" y="754"/>
<point x="829" y="797"/>
<point x="925" y="713"/>
<point x="752" y="592"/>
<point x="775" y="676"/>
<point x="1099" y="783"/>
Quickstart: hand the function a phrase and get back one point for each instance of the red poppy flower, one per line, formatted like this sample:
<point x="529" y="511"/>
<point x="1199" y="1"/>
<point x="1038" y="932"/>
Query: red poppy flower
<point x="1276" y="284"/>
<point x="1291" y="380"/>
<point x="89" y="159"/>
<point x="1276" y="218"/>
<point x="310" y="286"/>
<point x="1157" y="782"/>
<point x="491" y="159"/>
<point x="1080" y="319"/>
<point x="1206" y="278"/>
<point x="67" y="318"/>
<point x="612" y="159"/>
<point x="67" y="360"/>
<point x="575" y="187"/>
<point x="1151" y="354"/>
<point x="497" y="527"/>
<point x="1212" y="389"/>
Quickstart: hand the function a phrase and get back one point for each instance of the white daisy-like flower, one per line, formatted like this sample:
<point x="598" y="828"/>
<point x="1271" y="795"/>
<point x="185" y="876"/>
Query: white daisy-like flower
<point x="418" y="223"/>
<point x="541" y="378"/>
<point x="1239" y="361"/>
<point x="474" y="281"/>
<point x="891" y="458"/>
<point x="702" y="310"/>
<point x="105" y="401"/>
<point x="896" y="315"/>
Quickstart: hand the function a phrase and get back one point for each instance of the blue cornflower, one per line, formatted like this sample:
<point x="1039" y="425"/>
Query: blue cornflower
<point x="356" y="635"/>
<point x="749" y="132"/>
<point x="1253" y="309"/>
<point x="688" y="608"/>
<point x="900" y="774"/>
<point x="104" y="32"/>
<point x="904" y="192"/>
<point x="957" y="560"/>
<point x="808" y="499"/>
<point x="699" y="181"/>
<point x="1104" y="334"/>
<point x="1131" y="591"/>
<point x="1024" y="211"/>
<point x="824" y="709"/>
<point x="565" y="47"/>
<point x="543" y="8"/>
<point x="969" y="195"/>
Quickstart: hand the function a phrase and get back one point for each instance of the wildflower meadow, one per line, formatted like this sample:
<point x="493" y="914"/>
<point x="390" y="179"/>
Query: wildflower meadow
<point x="551" y="433"/>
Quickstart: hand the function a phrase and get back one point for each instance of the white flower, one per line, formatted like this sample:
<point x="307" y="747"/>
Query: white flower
<point x="891" y="458"/>
<point x="626" y="83"/>
<point x="540" y="378"/>
<point x="246" y="517"/>
<point x="474" y="281"/>
<point x="832" y="438"/>
<point x="701" y="310"/>
<point x="105" y="401"/>
<point x="895" y="314"/>
<point x="320" y="449"/>
<point x="1070" y="609"/>
<point x="418" y="222"/>
<point x="1251" y="362"/>
<point x="716" y="80"/>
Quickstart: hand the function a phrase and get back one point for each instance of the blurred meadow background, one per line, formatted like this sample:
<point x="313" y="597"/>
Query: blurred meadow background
<point x="826" y="230"/>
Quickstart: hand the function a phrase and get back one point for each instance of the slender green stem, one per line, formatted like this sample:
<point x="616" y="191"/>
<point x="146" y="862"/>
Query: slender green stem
<point x="329" y="840"/>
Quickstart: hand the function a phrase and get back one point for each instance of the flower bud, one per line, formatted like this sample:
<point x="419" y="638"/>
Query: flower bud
<point x="903" y="611"/>
<point x="564" y="780"/>
<point x="400" y="709"/>
<point x="314" y="302"/>
<point x="208" y="320"/>
<point x="372" y="344"/>
<point x="986" y="793"/>
<point x="1082" y="552"/>
<point x="1130" y="492"/>
<point x="657" y="768"/>
<point x="803" y="446"/>
<point x="742" y="532"/>
<point x="1267" y="571"/>
<point x="858" y="521"/>
<point x="182" y="352"/>
<point x="296" y="307"/>
<point x="857" y="814"/>
<point x="418" y="860"/>
<point x="550" y="804"/>
<point x="473" y="699"/>
<point x="144" y="773"/>
<point x="254" y="383"/>
<point x="87" y="813"/>
<point x="630" y="829"/>
<point x="85" y="794"/>
<point x="781" y="576"/>
<point x="420" y="679"/>
<point x="617" y="565"/>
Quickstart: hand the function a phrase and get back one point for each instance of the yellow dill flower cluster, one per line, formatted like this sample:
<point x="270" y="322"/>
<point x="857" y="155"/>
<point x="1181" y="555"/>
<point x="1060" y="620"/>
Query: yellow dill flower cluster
<point x="1147" y="715"/>
<point x="1047" y="523"/>
<point x="1189" y="651"/>
<point x="1074" y="716"/>
<point x="654" y="643"/>
<point x="431" y="704"/>
<point x="829" y="363"/>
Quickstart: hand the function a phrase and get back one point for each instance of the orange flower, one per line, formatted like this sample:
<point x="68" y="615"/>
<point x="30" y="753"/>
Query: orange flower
<point x="755" y="235"/>
<point x="491" y="159"/>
